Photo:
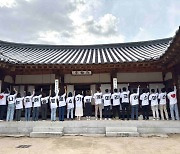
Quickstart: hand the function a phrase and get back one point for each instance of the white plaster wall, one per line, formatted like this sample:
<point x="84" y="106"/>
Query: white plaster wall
<point x="168" y="76"/>
<point x="35" y="79"/>
<point x="156" y="86"/>
<point x="70" y="88"/>
<point x="104" y="87"/>
<point x="8" y="79"/>
<point x="139" y="77"/>
<point x="94" y="78"/>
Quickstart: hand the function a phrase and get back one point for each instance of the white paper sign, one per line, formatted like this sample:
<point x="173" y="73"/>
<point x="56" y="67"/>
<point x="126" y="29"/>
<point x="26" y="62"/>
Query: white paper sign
<point x="115" y="83"/>
<point x="56" y="85"/>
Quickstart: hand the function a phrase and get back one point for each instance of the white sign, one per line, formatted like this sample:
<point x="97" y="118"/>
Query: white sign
<point x="56" y="85"/>
<point x="81" y="73"/>
<point x="114" y="83"/>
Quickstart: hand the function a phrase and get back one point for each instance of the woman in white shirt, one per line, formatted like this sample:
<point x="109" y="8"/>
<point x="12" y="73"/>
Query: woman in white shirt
<point x="53" y="105"/>
<point x="28" y="105"/>
<point x="19" y="106"/>
<point x="3" y="107"/>
<point x="87" y="104"/>
<point x="36" y="105"/>
<point x="62" y="104"/>
<point x="70" y="105"/>
<point x="44" y="104"/>
<point x="11" y="105"/>
<point x="79" y="106"/>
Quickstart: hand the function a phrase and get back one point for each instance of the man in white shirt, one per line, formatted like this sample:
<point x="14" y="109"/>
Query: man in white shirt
<point x="172" y="96"/>
<point x="134" y="101"/>
<point x="144" y="97"/>
<point x="116" y="103"/>
<point x="107" y="104"/>
<point x="154" y="104"/>
<point x="98" y="103"/>
<point x="125" y="103"/>
<point x="3" y="106"/>
<point x="162" y="103"/>
<point x="62" y="103"/>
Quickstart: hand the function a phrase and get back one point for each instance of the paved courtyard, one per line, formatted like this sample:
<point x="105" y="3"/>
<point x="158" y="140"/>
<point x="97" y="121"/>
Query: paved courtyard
<point x="91" y="145"/>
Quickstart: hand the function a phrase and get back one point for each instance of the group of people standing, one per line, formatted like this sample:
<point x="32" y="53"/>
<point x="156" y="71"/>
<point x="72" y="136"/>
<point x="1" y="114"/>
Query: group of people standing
<point x="60" y="100"/>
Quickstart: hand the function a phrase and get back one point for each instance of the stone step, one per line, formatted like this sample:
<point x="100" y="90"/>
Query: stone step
<point x="121" y="129"/>
<point x="47" y="129"/>
<point x="122" y="134"/>
<point x="84" y="130"/>
<point x="45" y="134"/>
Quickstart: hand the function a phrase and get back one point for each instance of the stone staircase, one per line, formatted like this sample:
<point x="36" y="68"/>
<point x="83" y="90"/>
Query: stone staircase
<point x="122" y="132"/>
<point x="47" y="132"/>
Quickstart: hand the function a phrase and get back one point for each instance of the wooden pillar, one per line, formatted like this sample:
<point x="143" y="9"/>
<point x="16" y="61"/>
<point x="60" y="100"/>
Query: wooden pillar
<point x="2" y="75"/>
<point x="113" y="75"/>
<point x="176" y="80"/>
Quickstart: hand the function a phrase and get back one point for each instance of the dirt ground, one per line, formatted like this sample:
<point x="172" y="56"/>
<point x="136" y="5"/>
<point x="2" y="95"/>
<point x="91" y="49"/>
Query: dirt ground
<point x="91" y="145"/>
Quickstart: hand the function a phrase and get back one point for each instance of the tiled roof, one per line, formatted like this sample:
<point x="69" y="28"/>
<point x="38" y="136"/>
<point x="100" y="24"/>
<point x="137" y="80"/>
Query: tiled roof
<point x="86" y="54"/>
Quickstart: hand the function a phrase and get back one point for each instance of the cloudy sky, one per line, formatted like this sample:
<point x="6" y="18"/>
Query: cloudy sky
<point x="87" y="21"/>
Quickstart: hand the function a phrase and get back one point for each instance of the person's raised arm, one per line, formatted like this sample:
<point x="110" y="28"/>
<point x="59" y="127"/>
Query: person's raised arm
<point x="157" y="91"/>
<point x="138" y="89"/>
<point x="15" y="91"/>
<point x="128" y="87"/>
<point x="65" y="91"/>
<point x="74" y="93"/>
<point x="175" y="87"/>
<point x="33" y="93"/>
<point x="92" y="93"/>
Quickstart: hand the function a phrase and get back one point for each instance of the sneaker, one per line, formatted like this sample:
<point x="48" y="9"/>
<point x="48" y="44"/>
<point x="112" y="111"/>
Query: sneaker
<point x="100" y="118"/>
<point x="96" y="119"/>
<point x="105" y="119"/>
<point x="154" y="119"/>
<point x="109" y="119"/>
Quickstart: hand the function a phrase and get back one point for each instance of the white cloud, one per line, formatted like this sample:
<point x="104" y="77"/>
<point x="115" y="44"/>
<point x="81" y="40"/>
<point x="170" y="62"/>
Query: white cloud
<point x="7" y="3"/>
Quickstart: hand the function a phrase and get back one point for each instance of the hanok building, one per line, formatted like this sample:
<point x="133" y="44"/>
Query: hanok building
<point x="149" y="63"/>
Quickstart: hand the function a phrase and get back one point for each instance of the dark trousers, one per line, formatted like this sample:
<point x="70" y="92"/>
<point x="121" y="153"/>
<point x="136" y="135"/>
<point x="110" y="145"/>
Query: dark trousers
<point x="18" y="114"/>
<point x="44" y="111"/>
<point x="116" y="109"/>
<point x="35" y="113"/>
<point x="107" y="111"/>
<point x="61" y="113"/>
<point x="88" y="109"/>
<point x="2" y="111"/>
<point x="125" y="107"/>
<point x="134" y="112"/>
<point x="145" y="110"/>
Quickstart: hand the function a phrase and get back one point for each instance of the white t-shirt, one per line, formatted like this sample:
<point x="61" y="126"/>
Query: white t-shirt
<point x="70" y="102"/>
<point x="62" y="101"/>
<point x="3" y="98"/>
<point x="144" y="98"/>
<point x="134" y="98"/>
<point x="154" y="99"/>
<point x="19" y="103"/>
<point x="162" y="97"/>
<point x="37" y="101"/>
<point x="116" y="98"/>
<point x="98" y="98"/>
<point x="87" y="99"/>
<point x="107" y="99"/>
<point x="28" y="101"/>
<point x="44" y="100"/>
<point x="11" y="99"/>
<point x="53" y="102"/>
<point x="125" y="96"/>
<point x="79" y="99"/>
<point x="172" y="96"/>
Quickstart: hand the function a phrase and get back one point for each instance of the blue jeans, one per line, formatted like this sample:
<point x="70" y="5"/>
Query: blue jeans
<point x="35" y="113"/>
<point x="27" y="114"/>
<point x="61" y="113"/>
<point x="174" y="108"/>
<point x="53" y="114"/>
<point x="10" y="112"/>
<point x="70" y="111"/>
<point x="134" y="112"/>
